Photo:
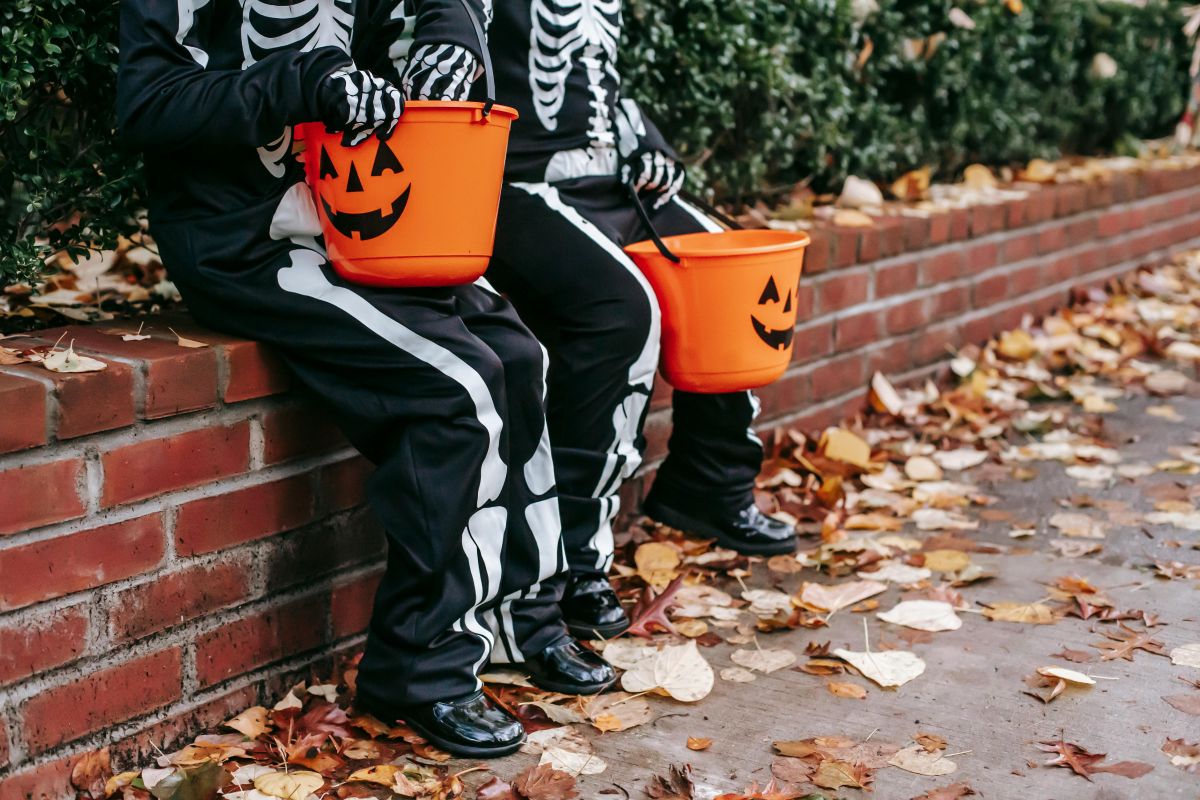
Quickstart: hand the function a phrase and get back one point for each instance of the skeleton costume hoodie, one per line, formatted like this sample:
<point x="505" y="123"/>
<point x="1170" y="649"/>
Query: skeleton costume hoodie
<point x="556" y="63"/>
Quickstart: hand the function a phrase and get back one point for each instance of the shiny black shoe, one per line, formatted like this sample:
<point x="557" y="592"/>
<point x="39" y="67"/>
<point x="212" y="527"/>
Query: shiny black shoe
<point x="749" y="531"/>
<point x="471" y="726"/>
<point x="570" y="668"/>
<point x="591" y="609"/>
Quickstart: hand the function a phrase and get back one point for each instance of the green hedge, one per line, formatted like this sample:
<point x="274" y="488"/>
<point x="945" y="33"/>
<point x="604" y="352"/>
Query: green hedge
<point x="758" y="94"/>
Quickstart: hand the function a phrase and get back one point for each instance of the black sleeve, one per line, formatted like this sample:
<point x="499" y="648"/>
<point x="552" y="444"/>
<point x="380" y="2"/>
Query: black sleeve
<point x="653" y="139"/>
<point x="449" y="22"/>
<point x="168" y="98"/>
<point x="636" y="133"/>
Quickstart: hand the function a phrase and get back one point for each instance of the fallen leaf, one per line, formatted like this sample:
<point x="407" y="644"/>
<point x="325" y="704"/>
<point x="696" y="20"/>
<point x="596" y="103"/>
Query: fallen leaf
<point x="617" y="711"/>
<point x="844" y="689"/>
<point x="1185" y="755"/>
<point x="1035" y="613"/>
<point x="839" y="444"/>
<point x="544" y="782"/>
<point x="763" y="660"/>
<point x="1187" y="655"/>
<point x="887" y="668"/>
<point x="836" y="774"/>
<point x="678" y="670"/>
<point x="677" y="785"/>
<point x="918" y="760"/>
<point x="289" y="785"/>
<point x="656" y="563"/>
<point x="185" y="342"/>
<point x="835" y="597"/>
<point x="382" y="774"/>
<point x="1187" y="703"/>
<point x="698" y="743"/>
<point x="251" y="723"/>
<point x="1125" y="641"/>
<point x="69" y="361"/>
<point x="923" y="615"/>
<point x="737" y="675"/>
<point x="1068" y="675"/>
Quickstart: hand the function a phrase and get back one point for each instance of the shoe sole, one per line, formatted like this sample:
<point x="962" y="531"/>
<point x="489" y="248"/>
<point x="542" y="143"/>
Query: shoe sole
<point x="581" y="630"/>
<point x="688" y="524"/>
<point x="565" y="688"/>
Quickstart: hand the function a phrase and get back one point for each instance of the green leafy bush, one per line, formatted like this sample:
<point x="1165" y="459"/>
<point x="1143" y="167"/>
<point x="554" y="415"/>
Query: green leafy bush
<point x="757" y="94"/>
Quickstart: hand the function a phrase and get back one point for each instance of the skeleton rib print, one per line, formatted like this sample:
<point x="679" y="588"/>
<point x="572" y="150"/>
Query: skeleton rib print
<point x="566" y="31"/>
<point x="269" y="26"/>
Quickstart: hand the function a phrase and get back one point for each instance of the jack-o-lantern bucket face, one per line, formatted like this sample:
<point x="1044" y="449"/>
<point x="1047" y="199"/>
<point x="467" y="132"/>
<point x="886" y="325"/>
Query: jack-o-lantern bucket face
<point x="774" y="321"/>
<point x="363" y="191"/>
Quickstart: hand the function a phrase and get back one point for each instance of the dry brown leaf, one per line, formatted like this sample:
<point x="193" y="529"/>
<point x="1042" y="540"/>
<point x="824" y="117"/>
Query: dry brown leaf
<point x="1034" y="613"/>
<point x="844" y="689"/>
<point x="699" y="743"/>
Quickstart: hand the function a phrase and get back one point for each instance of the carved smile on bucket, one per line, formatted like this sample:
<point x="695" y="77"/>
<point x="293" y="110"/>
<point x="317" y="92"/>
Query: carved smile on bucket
<point x="386" y="188"/>
<point x="775" y="338"/>
<point x="367" y="224"/>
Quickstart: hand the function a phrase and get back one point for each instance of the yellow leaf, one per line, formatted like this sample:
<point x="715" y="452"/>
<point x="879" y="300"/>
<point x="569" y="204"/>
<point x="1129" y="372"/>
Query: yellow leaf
<point x="1014" y="6"/>
<point x="1038" y="171"/>
<point x="289" y="785"/>
<point x="698" y="743"/>
<point x="251" y="723"/>
<point x="946" y="560"/>
<point x="118" y="782"/>
<point x="849" y="218"/>
<point x="185" y="342"/>
<point x="913" y="185"/>
<point x="977" y="176"/>
<point x="840" y="444"/>
<point x="842" y="689"/>
<point x="656" y="563"/>
<point x="382" y="774"/>
<point x="1016" y="345"/>
<point x="1034" y="613"/>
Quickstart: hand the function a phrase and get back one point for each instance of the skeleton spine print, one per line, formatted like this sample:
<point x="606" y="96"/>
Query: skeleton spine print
<point x="564" y="33"/>
<point x="305" y="25"/>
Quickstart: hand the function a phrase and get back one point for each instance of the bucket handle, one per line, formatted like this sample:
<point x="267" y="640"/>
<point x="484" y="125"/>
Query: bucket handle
<point x="695" y="200"/>
<point x="488" y="74"/>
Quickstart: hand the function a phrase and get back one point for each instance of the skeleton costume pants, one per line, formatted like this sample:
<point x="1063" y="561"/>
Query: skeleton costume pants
<point x="558" y="257"/>
<point x="441" y="388"/>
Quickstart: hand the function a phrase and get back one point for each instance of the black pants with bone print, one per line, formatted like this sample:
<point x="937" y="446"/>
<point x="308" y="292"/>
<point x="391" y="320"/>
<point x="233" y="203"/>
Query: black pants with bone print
<point x="558" y="257"/>
<point x="443" y="390"/>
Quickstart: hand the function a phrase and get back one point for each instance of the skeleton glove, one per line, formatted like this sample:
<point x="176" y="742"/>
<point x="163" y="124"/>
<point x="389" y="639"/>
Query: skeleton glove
<point x="440" y="72"/>
<point x="359" y="104"/>
<point x="654" y="173"/>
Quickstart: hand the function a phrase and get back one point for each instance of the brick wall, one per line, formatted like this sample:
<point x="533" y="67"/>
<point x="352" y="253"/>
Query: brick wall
<point x="180" y="534"/>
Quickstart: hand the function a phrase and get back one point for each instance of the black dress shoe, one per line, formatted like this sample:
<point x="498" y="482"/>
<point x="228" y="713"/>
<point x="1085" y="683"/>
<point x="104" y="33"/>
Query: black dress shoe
<point x="570" y="668"/>
<point x="591" y="609"/>
<point x="471" y="726"/>
<point x="749" y="531"/>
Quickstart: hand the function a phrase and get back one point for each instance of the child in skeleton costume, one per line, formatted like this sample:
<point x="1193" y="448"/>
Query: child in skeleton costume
<point x="441" y="388"/>
<point x="564" y="216"/>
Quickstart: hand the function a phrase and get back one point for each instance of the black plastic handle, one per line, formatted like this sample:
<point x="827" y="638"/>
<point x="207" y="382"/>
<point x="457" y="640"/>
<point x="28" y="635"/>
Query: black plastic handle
<point x="488" y="76"/>
<point x="658" y="242"/>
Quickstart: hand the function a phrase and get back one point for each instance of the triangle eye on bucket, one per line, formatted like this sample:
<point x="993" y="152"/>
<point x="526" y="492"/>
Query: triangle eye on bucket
<point x="327" y="170"/>
<point x="787" y="307"/>
<point x="770" y="293"/>
<point x="385" y="160"/>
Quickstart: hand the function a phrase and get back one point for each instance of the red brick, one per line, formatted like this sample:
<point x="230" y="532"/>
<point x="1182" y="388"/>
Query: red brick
<point x="856" y="330"/>
<point x="1125" y="186"/>
<point x="1039" y="205"/>
<point x="1026" y="279"/>
<point x="989" y="290"/>
<point x="844" y="251"/>
<point x="1100" y="195"/>
<point x="22" y="413"/>
<point x="891" y="236"/>
<point x="1081" y="230"/>
<point x="805" y="299"/>
<point x="960" y="224"/>
<point x="215" y="523"/>
<point x="40" y="494"/>
<point x="48" y="781"/>
<point x="89" y="402"/>
<point x="1060" y="270"/>
<point x="254" y="371"/>
<point x="1091" y="259"/>
<point x="934" y="343"/>
<point x="1071" y="199"/>
<point x="817" y="254"/>
<point x="916" y="232"/>
<point x="789" y="392"/>
<point x="178" y="597"/>
<point x="841" y="290"/>
<point x="260" y="639"/>
<point x="939" y="228"/>
<point x="177" y="379"/>
<point x="870" y="244"/>
<point x="981" y="256"/>
<point x="4" y="749"/>
<point x="1018" y="248"/>
<point x="812" y="341"/>
<point x="102" y="698"/>
<point x="344" y="484"/>
<point x="941" y="267"/>
<point x="298" y="430"/>
<point x="987" y="218"/>
<point x="948" y="302"/>
<point x="50" y="640"/>
<point x="304" y="555"/>
<point x="178" y="729"/>
<point x="1052" y="238"/>
<point x="1015" y="213"/>
<point x="351" y="605"/>
<point x="895" y="279"/>
<point x="154" y="466"/>
<point x="885" y="357"/>
<point x="56" y="567"/>
<point x="906" y="316"/>
<point x="838" y="376"/>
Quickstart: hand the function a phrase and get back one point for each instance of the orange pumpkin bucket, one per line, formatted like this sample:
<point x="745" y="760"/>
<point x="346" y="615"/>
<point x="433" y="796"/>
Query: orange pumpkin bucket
<point x="728" y="305"/>
<point x="420" y="208"/>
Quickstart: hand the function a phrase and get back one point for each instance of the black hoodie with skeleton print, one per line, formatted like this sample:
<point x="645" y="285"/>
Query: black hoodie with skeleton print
<point x="209" y="89"/>
<point x="556" y="63"/>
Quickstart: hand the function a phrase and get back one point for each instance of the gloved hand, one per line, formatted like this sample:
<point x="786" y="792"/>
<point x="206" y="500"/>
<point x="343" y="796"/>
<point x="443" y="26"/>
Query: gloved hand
<point x="359" y="104"/>
<point x="653" y="173"/>
<point x="440" y="72"/>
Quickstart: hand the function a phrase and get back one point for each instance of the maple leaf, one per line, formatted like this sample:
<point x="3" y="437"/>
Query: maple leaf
<point x="651" y="610"/>
<point x="496" y="789"/>
<point x="677" y="785"/>
<point x="325" y="718"/>
<point x="1126" y="641"/>
<point x="1185" y="755"/>
<point x="544" y="782"/>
